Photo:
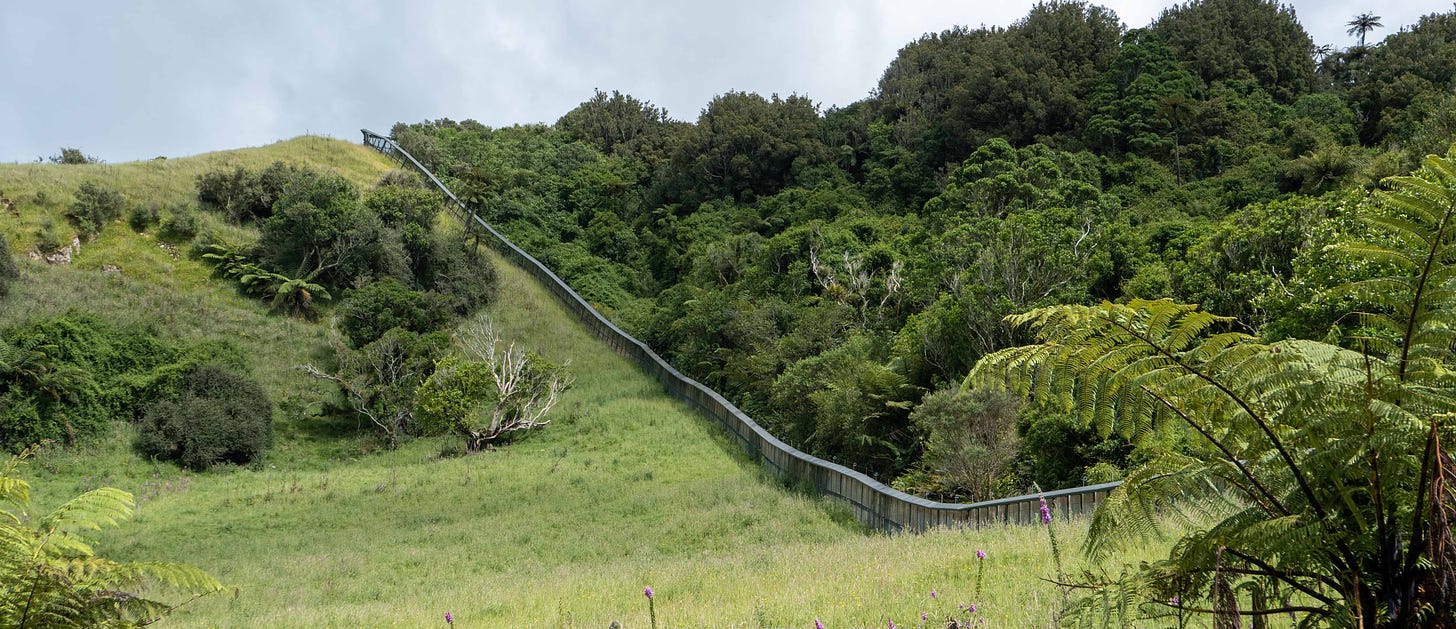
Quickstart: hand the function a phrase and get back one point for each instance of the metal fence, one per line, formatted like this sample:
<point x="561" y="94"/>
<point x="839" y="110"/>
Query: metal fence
<point x="872" y="502"/>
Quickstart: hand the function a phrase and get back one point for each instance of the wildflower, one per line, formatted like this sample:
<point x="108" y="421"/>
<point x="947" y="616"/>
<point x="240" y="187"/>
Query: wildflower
<point x="449" y="620"/>
<point x="1174" y="601"/>
<point x="923" y="616"/>
<point x="647" y="591"/>
<point x="932" y="595"/>
<point x="971" y="609"/>
<point x="1046" y="514"/>
<point x="980" y="554"/>
<point x="892" y="625"/>
<point x="817" y="624"/>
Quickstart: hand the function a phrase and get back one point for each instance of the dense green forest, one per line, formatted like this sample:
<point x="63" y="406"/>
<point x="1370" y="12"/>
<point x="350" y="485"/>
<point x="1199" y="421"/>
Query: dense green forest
<point x="838" y="272"/>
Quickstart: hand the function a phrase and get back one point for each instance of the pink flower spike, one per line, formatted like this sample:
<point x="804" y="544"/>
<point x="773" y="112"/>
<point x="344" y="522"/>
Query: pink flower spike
<point x="449" y="620"/>
<point x="647" y="591"/>
<point x="932" y="595"/>
<point x="980" y="554"/>
<point x="923" y="616"/>
<point x="972" y="608"/>
<point x="817" y="624"/>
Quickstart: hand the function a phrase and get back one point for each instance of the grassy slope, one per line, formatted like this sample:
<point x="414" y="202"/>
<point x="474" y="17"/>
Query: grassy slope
<point x="175" y="293"/>
<point x="626" y="487"/>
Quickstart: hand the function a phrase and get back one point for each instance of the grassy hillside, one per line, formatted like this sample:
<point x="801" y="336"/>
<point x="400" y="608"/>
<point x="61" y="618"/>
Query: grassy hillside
<point x="625" y="488"/>
<point x="158" y="284"/>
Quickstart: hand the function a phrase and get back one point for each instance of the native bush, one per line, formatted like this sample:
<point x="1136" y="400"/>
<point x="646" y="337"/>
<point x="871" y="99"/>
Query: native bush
<point x="143" y="216"/>
<point x="9" y="269"/>
<point x="367" y="313"/>
<point x="180" y="223"/>
<point x="220" y="416"/>
<point x="1321" y="467"/>
<point x="970" y="439"/>
<point x="96" y="205"/>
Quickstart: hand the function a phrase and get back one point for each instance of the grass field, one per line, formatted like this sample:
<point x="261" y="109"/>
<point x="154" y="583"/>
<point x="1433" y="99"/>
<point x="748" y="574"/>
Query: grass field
<point x="626" y="488"/>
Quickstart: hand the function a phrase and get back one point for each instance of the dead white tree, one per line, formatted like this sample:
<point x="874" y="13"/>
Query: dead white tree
<point x="526" y="388"/>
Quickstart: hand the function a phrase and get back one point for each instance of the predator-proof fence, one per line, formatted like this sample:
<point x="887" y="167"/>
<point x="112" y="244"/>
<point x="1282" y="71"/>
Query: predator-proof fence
<point x="873" y="502"/>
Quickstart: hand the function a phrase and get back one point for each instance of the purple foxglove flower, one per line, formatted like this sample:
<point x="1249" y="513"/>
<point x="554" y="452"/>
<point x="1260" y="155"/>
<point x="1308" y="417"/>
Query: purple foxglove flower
<point x="932" y="595"/>
<point x="1046" y="514"/>
<point x="972" y="608"/>
<point x="923" y="616"/>
<point x="980" y="554"/>
<point x="817" y="624"/>
<point x="647" y="591"/>
<point x="449" y="620"/>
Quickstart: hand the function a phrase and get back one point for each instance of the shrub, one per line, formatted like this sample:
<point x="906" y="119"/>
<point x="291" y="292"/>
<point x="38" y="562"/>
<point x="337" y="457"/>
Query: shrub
<point x="9" y="270"/>
<point x="95" y="206"/>
<point x="142" y="216"/>
<point x="48" y="238"/>
<point x="181" y="223"/>
<point x="369" y="312"/>
<point x="73" y="156"/>
<point x="970" y="439"/>
<point x="220" y="416"/>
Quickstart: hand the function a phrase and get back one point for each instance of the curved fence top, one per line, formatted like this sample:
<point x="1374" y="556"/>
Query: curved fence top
<point x="671" y="376"/>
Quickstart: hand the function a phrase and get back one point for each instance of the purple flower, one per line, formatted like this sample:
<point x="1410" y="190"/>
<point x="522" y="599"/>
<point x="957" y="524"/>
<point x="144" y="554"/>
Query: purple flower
<point x="449" y="620"/>
<point x="817" y="624"/>
<point x="980" y="554"/>
<point x="647" y="591"/>
<point x="1174" y="601"/>
<point x="1046" y="514"/>
<point x="960" y="605"/>
<point x="932" y="595"/>
<point x="892" y="624"/>
<point x="923" y="616"/>
<point x="972" y="608"/>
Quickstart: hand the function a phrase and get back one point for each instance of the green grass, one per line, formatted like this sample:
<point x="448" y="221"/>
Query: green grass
<point x="625" y="488"/>
<point x="159" y="285"/>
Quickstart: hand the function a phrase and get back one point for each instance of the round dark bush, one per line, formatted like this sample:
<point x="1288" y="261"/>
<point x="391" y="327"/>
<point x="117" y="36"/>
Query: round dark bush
<point x="219" y="416"/>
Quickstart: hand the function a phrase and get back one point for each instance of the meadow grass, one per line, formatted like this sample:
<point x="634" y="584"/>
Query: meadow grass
<point x="625" y="488"/>
<point x="158" y="284"/>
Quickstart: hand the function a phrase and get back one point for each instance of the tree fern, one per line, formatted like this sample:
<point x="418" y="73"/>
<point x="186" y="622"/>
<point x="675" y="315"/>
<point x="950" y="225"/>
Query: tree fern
<point x="1328" y="459"/>
<point x="50" y="576"/>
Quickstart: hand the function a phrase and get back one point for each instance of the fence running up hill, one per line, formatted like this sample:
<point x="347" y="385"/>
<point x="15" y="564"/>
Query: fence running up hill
<point x="873" y="502"/>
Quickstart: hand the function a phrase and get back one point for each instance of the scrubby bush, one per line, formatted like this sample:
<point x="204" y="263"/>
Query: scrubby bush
<point x="73" y="156"/>
<point x="96" y="205"/>
<point x="48" y="237"/>
<point x="970" y="440"/>
<point x="220" y="416"/>
<point x="180" y="223"/>
<point x="9" y="270"/>
<point x="246" y="196"/>
<point x="143" y="216"/>
<point x="369" y="312"/>
<point x="68" y="378"/>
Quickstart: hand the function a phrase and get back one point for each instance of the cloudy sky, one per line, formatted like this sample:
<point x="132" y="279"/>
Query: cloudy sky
<point x="134" y="80"/>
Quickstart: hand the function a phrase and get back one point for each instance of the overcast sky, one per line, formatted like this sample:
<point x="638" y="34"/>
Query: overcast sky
<point x="134" y="80"/>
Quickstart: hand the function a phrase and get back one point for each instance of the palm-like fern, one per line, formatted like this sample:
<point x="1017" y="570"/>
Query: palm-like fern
<point x="51" y="577"/>
<point x="1324" y="464"/>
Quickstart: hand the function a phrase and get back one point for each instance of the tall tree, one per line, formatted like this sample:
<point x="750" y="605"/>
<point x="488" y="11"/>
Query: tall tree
<point x="1362" y="24"/>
